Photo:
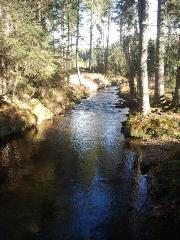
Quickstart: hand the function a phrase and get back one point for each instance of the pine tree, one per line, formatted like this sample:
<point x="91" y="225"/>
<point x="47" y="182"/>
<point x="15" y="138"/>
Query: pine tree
<point x="160" y="50"/>
<point x="143" y="74"/>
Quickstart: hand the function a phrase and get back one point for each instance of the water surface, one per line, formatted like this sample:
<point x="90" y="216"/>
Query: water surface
<point x="74" y="178"/>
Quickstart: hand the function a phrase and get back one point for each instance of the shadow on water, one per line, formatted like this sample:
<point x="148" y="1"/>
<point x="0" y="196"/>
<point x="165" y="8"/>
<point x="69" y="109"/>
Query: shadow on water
<point x="74" y="178"/>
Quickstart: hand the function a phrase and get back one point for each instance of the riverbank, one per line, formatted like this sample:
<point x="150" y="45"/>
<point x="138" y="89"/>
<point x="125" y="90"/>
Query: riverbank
<point x="158" y="136"/>
<point x="27" y="111"/>
<point x="162" y="124"/>
<point x="160" y="161"/>
<point x="72" y="177"/>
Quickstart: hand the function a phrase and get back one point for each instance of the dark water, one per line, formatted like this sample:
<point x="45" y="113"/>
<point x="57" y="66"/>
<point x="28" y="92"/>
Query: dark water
<point x="74" y="178"/>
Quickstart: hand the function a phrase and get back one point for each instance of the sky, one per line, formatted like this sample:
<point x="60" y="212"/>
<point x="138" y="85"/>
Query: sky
<point x="114" y="32"/>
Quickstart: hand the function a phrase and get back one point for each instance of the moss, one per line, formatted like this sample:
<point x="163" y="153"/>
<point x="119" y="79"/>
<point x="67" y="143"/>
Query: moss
<point x="152" y="126"/>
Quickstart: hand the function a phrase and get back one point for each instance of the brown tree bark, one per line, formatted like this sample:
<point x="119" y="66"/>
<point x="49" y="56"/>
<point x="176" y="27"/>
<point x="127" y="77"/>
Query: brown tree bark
<point x="176" y="98"/>
<point x="77" y="33"/>
<point x="126" y="48"/>
<point x="160" y="50"/>
<point x="107" y="42"/>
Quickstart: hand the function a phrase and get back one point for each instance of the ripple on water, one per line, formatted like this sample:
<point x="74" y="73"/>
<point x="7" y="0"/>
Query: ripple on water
<point x="74" y="178"/>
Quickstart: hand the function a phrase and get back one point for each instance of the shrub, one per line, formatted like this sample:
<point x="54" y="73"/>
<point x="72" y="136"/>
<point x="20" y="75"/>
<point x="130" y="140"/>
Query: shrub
<point x="152" y="126"/>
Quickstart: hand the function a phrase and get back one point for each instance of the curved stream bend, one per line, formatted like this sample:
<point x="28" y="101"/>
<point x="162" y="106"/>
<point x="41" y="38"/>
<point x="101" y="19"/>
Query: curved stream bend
<point x="73" y="179"/>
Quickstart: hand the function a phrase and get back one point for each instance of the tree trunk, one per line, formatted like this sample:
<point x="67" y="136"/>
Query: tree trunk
<point x="121" y="31"/>
<point x="129" y="68"/>
<point x="160" y="49"/>
<point x="63" y="45"/>
<point x="176" y="98"/>
<point x="91" y="37"/>
<point x="107" y="46"/>
<point x="77" y="33"/>
<point x="68" y="40"/>
<point x="71" y="47"/>
<point x="143" y="74"/>
<point x="167" y="65"/>
<point x="5" y="29"/>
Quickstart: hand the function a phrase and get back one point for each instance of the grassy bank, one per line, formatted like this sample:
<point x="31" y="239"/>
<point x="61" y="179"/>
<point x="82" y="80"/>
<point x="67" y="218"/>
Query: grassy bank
<point x="162" y="123"/>
<point x="164" y="126"/>
<point x="28" y="110"/>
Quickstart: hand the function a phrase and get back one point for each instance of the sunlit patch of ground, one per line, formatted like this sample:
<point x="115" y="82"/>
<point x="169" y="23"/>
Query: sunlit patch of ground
<point x="91" y="81"/>
<point x="30" y="109"/>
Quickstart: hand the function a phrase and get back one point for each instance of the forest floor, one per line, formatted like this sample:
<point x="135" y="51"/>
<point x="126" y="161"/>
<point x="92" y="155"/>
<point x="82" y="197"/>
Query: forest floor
<point x="159" y="140"/>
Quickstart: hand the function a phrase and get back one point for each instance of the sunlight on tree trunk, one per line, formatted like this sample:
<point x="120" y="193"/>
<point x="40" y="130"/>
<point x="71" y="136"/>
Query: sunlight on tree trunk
<point x="143" y="21"/>
<point x="91" y="36"/>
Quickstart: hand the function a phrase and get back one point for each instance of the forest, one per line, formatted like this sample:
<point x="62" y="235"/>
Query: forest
<point x="40" y="45"/>
<point x="89" y="119"/>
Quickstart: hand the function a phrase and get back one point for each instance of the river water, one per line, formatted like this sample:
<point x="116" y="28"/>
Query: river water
<point x="74" y="178"/>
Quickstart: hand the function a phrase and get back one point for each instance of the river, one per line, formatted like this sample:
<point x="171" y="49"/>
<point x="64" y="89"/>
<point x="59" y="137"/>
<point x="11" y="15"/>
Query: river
<point x="76" y="177"/>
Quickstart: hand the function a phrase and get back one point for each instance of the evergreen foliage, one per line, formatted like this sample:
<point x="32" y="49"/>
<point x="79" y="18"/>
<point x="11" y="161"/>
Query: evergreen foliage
<point x="40" y="43"/>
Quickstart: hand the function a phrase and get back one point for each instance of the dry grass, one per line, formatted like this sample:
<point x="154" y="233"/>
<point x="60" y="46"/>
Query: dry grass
<point x="47" y="102"/>
<point x="154" y="126"/>
<point x="91" y="81"/>
<point x="14" y="120"/>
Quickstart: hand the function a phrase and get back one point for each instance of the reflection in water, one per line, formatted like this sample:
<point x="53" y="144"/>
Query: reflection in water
<point x="73" y="178"/>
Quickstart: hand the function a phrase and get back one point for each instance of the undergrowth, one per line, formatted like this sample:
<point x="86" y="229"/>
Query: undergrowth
<point x="153" y="126"/>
